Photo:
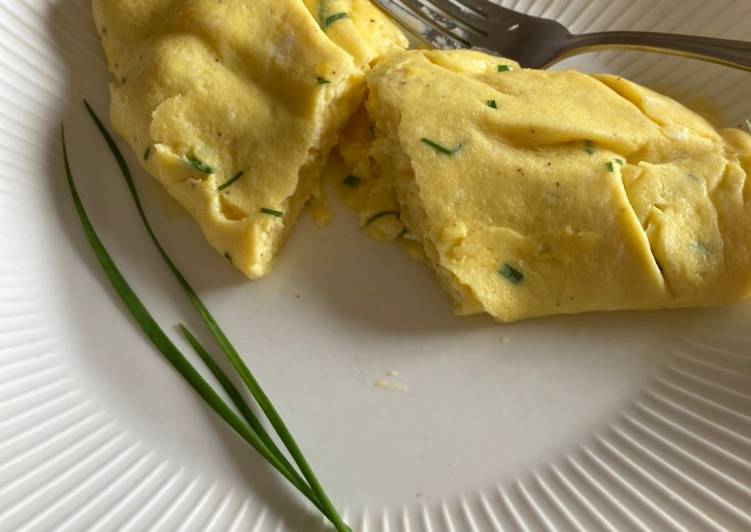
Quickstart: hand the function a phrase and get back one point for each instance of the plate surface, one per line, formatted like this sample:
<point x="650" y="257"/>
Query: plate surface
<point x="625" y="421"/>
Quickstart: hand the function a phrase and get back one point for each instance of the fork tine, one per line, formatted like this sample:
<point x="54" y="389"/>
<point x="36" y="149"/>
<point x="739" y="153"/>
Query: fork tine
<point x="435" y="20"/>
<point x="412" y="16"/>
<point x="464" y="13"/>
<point x="481" y="8"/>
<point x="404" y="17"/>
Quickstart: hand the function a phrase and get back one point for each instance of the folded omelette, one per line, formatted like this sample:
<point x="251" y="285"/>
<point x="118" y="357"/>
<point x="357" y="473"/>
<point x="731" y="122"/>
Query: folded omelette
<point x="234" y="105"/>
<point x="529" y="192"/>
<point x="536" y="193"/>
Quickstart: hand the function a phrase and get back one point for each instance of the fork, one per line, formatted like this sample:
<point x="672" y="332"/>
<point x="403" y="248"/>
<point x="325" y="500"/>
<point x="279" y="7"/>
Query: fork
<point x="538" y="42"/>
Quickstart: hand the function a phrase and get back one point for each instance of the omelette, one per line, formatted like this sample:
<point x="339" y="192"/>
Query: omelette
<point x="234" y="105"/>
<point x="535" y="193"/>
<point x="529" y="192"/>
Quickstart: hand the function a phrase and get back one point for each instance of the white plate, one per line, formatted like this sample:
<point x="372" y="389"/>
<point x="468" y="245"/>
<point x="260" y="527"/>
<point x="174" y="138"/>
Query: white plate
<point x="606" y="421"/>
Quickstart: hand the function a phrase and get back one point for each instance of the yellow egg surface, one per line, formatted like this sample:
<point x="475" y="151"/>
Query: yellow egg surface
<point x="537" y="193"/>
<point x="234" y="105"/>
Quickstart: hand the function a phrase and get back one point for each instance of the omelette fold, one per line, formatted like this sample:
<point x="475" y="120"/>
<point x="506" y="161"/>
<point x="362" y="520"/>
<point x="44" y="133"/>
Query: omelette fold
<point x="234" y="105"/>
<point x="535" y="193"/>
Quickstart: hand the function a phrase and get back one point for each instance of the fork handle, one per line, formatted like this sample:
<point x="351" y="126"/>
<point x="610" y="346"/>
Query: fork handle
<point x="731" y="53"/>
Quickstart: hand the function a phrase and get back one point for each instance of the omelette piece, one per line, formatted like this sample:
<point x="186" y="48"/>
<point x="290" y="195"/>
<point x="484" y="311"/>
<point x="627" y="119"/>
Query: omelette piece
<point x="373" y="198"/>
<point x="536" y="193"/>
<point x="234" y="105"/>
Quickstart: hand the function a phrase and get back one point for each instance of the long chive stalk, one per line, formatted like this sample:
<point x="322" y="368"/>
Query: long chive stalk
<point x="234" y="394"/>
<point x="229" y="350"/>
<point x="312" y="490"/>
<point x="165" y="346"/>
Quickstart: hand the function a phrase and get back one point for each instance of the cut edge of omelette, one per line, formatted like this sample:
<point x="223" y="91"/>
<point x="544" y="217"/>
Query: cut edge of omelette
<point x="677" y="271"/>
<point x="183" y="78"/>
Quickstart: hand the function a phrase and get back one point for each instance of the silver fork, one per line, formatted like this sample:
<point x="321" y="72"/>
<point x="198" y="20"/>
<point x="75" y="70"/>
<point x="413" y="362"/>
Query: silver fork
<point x="538" y="42"/>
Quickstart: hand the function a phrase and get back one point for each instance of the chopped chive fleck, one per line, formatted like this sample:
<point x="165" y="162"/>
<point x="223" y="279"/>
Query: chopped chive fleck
<point x="402" y="233"/>
<point x="609" y="166"/>
<point x="379" y="215"/>
<point x="322" y="81"/>
<point x="589" y="147"/>
<point x="441" y="149"/>
<point x="272" y="212"/>
<point x="228" y="257"/>
<point x="147" y="154"/>
<point x="504" y="68"/>
<point x="693" y="177"/>
<point x="492" y="104"/>
<point x="620" y="161"/>
<point x="328" y="21"/>
<point x="200" y="166"/>
<point x="352" y="181"/>
<point x="234" y="178"/>
<point x="511" y="274"/>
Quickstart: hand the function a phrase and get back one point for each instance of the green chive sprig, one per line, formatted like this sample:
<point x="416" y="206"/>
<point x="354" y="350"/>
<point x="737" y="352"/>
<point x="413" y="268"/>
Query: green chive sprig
<point x="158" y="337"/>
<point x="200" y="166"/>
<point x="440" y="148"/>
<point x="328" y="21"/>
<point x="511" y="274"/>
<point x="229" y="182"/>
<point x="250" y="430"/>
<point x="272" y="212"/>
